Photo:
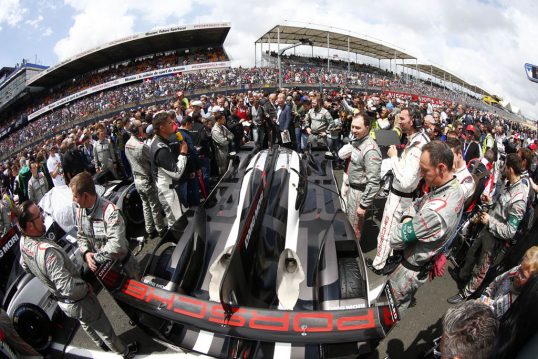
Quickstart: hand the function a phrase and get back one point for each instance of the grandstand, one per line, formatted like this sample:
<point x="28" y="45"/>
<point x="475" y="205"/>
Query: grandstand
<point x="148" y="68"/>
<point x="135" y="58"/>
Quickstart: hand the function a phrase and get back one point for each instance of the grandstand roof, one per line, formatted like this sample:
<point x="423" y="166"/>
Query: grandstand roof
<point x="447" y="76"/>
<point x="293" y="34"/>
<point x="134" y="46"/>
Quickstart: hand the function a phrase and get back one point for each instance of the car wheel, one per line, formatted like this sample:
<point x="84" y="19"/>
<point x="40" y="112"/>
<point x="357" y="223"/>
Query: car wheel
<point x="351" y="282"/>
<point x="132" y="207"/>
<point x="163" y="262"/>
<point x="33" y="325"/>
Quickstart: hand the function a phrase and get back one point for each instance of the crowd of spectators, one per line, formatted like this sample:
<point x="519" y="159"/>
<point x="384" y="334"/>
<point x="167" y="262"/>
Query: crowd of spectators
<point x="246" y="78"/>
<point x="124" y="69"/>
<point x="199" y="116"/>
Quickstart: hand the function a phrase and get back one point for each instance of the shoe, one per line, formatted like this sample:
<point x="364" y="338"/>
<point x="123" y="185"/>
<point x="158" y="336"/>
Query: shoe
<point x="152" y="235"/>
<point x="370" y="265"/>
<point x="131" y="350"/>
<point x="104" y="347"/>
<point x="458" y="298"/>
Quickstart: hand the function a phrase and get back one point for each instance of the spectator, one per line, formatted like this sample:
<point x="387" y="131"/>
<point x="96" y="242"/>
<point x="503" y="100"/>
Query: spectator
<point x="469" y="331"/>
<point x="221" y="137"/>
<point x="54" y="165"/>
<point x="518" y="328"/>
<point x="37" y="186"/>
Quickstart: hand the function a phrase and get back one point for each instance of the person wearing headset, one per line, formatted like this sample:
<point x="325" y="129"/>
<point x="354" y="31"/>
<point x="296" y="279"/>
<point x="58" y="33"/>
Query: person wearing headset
<point x="139" y="156"/>
<point x="406" y="179"/>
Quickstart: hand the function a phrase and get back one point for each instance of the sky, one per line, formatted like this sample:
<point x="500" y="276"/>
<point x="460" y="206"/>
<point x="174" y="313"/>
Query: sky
<point x="486" y="43"/>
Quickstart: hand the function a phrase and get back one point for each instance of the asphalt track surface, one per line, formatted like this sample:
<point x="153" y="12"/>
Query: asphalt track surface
<point x="411" y="337"/>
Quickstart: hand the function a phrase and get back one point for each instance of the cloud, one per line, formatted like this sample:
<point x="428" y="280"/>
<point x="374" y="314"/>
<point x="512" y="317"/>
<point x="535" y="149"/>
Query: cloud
<point x="35" y="22"/>
<point x="11" y="12"/>
<point x="485" y="43"/>
<point x="97" y="22"/>
<point x="48" y="31"/>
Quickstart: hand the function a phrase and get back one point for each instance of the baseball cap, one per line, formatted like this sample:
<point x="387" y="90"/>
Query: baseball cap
<point x="470" y="128"/>
<point x="532" y="146"/>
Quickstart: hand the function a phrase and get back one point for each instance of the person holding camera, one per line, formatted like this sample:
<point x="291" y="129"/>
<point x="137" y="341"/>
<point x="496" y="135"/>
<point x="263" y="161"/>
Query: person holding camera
<point x="364" y="171"/>
<point x="406" y="172"/>
<point x="428" y="224"/>
<point x="500" y="227"/>
<point x="318" y="122"/>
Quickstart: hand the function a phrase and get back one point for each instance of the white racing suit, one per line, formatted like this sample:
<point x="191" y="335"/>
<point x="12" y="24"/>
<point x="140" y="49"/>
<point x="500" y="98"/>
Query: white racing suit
<point x="406" y="178"/>
<point x="37" y="187"/>
<point x="502" y="226"/>
<point x="105" y="157"/>
<point x="466" y="181"/>
<point x="139" y="157"/>
<point x="363" y="177"/>
<point x="434" y="221"/>
<point x="318" y="120"/>
<point x="50" y="264"/>
<point x="221" y="138"/>
<point x="169" y="165"/>
<point x="101" y="230"/>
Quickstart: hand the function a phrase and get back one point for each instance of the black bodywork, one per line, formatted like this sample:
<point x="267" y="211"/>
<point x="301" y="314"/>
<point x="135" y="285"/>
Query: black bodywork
<point x="239" y="235"/>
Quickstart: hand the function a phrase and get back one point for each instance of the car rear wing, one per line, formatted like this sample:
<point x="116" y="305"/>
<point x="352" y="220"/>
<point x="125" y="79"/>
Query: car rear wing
<point x="249" y="323"/>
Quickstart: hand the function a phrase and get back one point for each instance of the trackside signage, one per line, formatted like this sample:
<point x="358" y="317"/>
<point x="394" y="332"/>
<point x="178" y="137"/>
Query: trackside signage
<point x="128" y="79"/>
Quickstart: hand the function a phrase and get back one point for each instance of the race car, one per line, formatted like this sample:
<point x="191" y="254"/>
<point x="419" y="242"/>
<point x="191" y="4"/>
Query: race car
<point x="268" y="266"/>
<point x="25" y="299"/>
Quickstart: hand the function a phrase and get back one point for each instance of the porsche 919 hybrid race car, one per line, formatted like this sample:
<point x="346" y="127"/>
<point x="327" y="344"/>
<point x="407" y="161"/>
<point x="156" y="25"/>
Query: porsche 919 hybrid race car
<point x="268" y="267"/>
<point x="25" y="299"/>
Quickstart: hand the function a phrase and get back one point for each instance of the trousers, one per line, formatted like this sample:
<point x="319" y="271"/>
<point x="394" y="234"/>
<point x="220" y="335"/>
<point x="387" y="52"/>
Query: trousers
<point x="94" y="321"/>
<point x="151" y="206"/>
<point x="489" y="247"/>
<point x="394" y="209"/>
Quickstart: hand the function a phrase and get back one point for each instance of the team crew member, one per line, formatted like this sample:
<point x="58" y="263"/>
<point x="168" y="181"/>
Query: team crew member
<point x="169" y="163"/>
<point x="500" y="227"/>
<point x="50" y="264"/>
<point x="100" y="228"/>
<point x="139" y="157"/>
<point x="460" y="169"/>
<point x="37" y="186"/>
<point x="363" y="172"/>
<point x="103" y="152"/>
<point x="221" y="138"/>
<point x="428" y="224"/>
<point x="406" y="178"/>
<point x="318" y="121"/>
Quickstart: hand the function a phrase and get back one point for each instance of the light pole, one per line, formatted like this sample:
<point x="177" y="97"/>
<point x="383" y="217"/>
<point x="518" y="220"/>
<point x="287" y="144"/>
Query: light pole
<point x="281" y="52"/>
